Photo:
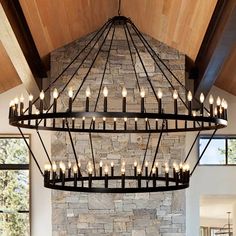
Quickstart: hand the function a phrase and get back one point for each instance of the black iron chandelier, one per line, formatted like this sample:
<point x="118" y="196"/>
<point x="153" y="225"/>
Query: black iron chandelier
<point x="145" y="177"/>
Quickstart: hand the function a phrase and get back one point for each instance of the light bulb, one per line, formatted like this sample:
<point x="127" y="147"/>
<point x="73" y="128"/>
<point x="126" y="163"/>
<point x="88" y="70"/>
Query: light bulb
<point x="215" y="111"/>
<point x="79" y="164"/>
<point x="55" y="93"/>
<point x="154" y="170"/>
<point x="181" y="165"/>
<point x="146" y="119"/>
<point x="70" y="93"/>
<point x="226" y="105"/>
<point x="175" y="94"/>
<point x="90" y="170"/>
<point x="177" y="169"/>
<point x="159" y="93"/>
<point x="156" y="164"/>
<point x="142" y="92"/>
<point x="139" y="170"/>
<point x="190" y="96"/>
<point x="94" y="118"/>
<point x="54" y="166"/>
<point x="47" y="167"/>
<point x="124" y="92"/>
<point x="104" y="118"/>
<point x="187" y="167"/>
<point x="41" y="95"/>
<point x="123" y="163"/>
<point x="146" y="163"/>
<point x="174" y="165"/>
<point x="123" y="170"/>
<point x="63" y="167"/>
<point x="83" y="118"/>
<point x="88" y="92"/>
<point x="167" y="169"/>
<point x="112" y="164"/>
<point x="218" y="101"/>
<point x="202" y="97"/>
<point x="12" y="103"/>
<point x="223" y="103"/>
<point x="21" y="98"/>
<point x="106" y="169"/>
<point x="16" y="100"/>
<point x="136" y="119"/>
<point x="105" y="91"/>
<point x="125" y="119"/>
<point x="211" y="99"/>
<point x="75" y="168"/>
<point x="31" y="97"/>
<point x="115" y="119"/>
<point x="194" y="113"/>
<point x="135" y="163"/>
<point x="69" y="164"/>
<point x="100" y="164"/>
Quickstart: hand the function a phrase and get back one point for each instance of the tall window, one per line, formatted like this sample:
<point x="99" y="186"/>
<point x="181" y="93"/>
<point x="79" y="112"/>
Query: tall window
<point x="221" y="150"/>
<point x="14" y="187"/>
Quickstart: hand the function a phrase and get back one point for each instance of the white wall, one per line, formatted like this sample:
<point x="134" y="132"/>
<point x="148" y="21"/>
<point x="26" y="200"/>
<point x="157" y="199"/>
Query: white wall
<point x="209" y="180"/>
<point x="40" y="196"/>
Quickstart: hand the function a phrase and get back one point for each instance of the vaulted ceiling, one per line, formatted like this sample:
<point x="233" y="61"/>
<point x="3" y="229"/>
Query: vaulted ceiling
<point x="178" y="23"/>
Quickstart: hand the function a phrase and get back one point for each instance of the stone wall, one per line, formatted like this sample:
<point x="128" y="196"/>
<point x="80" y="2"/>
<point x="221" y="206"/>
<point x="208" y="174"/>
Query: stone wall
<point x="142" y="214"/>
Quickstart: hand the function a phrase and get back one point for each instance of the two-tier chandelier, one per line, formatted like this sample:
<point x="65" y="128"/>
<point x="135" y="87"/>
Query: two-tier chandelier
<point x="145" y="177"/>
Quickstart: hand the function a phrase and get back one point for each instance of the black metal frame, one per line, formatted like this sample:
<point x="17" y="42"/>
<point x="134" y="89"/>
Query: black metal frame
<point x="65" y="120"/>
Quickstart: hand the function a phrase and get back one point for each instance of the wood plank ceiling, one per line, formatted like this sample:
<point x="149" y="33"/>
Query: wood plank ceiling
<point x="180" y="24"/>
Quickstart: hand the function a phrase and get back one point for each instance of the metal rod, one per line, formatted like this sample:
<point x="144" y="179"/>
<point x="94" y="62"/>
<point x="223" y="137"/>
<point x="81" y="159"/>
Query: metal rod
<point x="73" y="60"/>
<point x="140" y="58"/>
<point x="91" y="145"/>
<point x="41" y="140"/>
<point x="85" y="77"/>
<point x="199" y="159"/>
<point x="72" y="143"/>
<point x="30" y="151"/>
<point x="157" y="147"/>
<point x="190" y="150"/>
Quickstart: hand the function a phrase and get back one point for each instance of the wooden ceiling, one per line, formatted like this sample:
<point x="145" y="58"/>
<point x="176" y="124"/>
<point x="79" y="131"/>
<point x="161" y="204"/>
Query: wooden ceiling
<point x="181" y="24"/>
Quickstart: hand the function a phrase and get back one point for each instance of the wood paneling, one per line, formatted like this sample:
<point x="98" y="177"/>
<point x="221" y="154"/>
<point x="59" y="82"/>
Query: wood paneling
<point x="9" y="77"/>
<point x="54" y="23"/>
<point x="227" y="77"/>
<point x="180" y="24"/>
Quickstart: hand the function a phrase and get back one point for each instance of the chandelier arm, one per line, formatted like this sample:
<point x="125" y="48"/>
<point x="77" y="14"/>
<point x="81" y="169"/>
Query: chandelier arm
<point x="91" y="146"/>
<point x="157" y="147"/>
<point x="72" y="76"/>
<point x="31" y="152"/>
<point x="141" y="39"/>
<point x="73" y="60"/>
<point x="190" y="150"/>
<point x="163" y="63"/>
<point x="45" y="150"/>
<point x="85" y="77"/>
<point x="199" y="159"/>
<point x="140" y="58"/>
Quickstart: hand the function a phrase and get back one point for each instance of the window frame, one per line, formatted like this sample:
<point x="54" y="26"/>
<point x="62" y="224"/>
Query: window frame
<point x="226" y="138"/>
<point x="20" y="167"/>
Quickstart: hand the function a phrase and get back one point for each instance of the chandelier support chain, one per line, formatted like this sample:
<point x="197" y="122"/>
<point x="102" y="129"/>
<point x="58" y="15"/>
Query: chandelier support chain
<point x="68" y="117"/>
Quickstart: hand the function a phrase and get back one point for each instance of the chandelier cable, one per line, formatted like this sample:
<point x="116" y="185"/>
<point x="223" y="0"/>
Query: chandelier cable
<point x="119" y="5"/>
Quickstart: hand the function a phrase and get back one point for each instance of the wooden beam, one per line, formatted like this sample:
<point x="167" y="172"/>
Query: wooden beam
<point x="217" y="46"/>
<point x="22" y="32"/>
<point x="13" y="49"/>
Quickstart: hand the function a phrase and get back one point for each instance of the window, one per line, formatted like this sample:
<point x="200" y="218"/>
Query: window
<point x="221" y="150"/>
<point x="14" y="186"/>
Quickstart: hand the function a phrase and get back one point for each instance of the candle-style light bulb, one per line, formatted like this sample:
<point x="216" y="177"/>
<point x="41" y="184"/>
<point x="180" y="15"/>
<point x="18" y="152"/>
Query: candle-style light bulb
<point x="69" y="164"/>
<point x="47" y="167"/>
<point x="175" y="94"/>
<point x="153" y="170"/>
<point x="70" y="93"/>
<point x="167" y="169"/>
<point x="21" y="98"/>
<point x="202" y="97"/>
<point x="218" y="101"/>
<point x="54" y="166"/>
<point x="75" y="168"/>
<point x="159" y="93"/>
<point x="124" y="92"/>
<point x="189" y="96"/>
<point x="112" y="164"/>
<point x="105" y="92"/>
<point x="88" y="92"/>
<point x="106" y="169"/>
<point x="146" y="163"/>
<point x="135" y="163"/>
<point x="41" y="95"/>
<point x="139" y="170"/>
<point x="100" y="163"/>
<point x="142" y="92"/>
<point x="31" y="97"/>
<point x="211" y="99"/>
<point x="55" y="93"/>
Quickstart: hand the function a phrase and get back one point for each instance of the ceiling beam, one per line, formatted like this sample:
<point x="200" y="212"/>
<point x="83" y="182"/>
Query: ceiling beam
<point x="16" y="18"/>
<point x="217" y="45"/>
<point x="13" y="49"/>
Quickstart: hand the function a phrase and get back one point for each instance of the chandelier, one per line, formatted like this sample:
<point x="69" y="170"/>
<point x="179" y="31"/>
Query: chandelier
<point x="145" y="177"/>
